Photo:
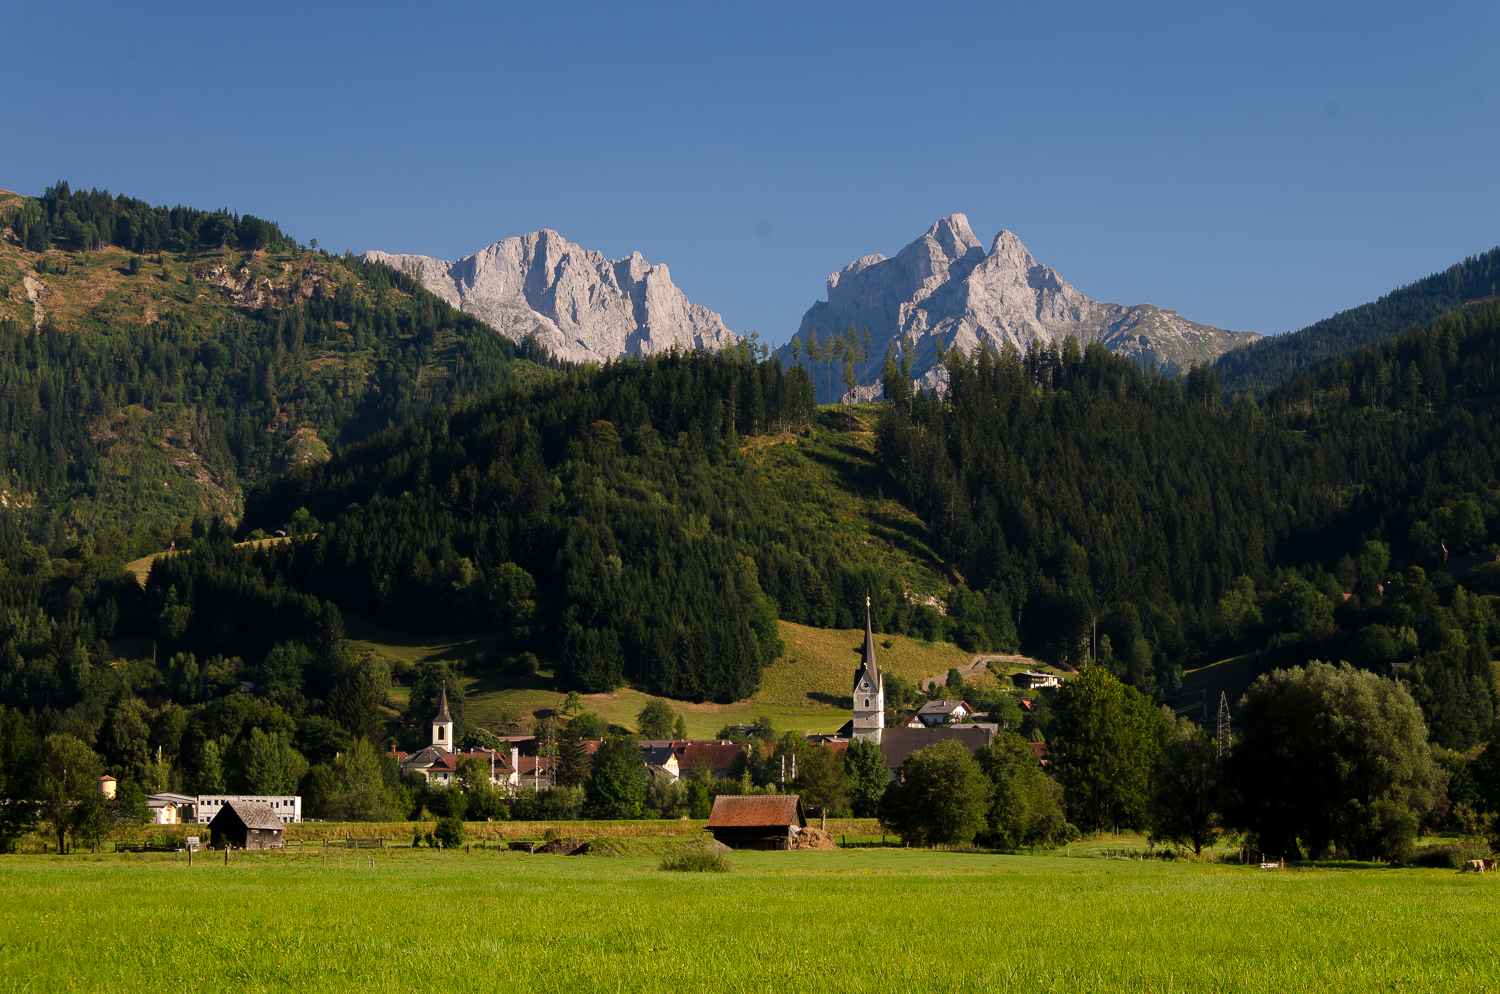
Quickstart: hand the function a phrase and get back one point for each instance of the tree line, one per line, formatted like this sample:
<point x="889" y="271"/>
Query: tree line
<point x="64" y="218"/>
<point x="1264" y="365"/>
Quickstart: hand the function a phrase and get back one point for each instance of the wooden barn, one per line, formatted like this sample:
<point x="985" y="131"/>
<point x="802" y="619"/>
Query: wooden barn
<point x="246" y="825"/>
<point x="757" y="822"/>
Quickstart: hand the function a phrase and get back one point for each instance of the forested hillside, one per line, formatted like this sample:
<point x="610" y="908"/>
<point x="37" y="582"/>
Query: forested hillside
<point x="1077" y="505"/>
<point x="1260" y="366"/>
<point x="1111" y="503"/>
<point x="648" y="521"/>
<point x="153" y="359"/>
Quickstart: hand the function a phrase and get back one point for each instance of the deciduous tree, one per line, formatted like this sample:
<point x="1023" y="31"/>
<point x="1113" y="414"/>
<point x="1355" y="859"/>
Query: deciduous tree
<point x="1185" y="797"/>
<point x="1025" y="808"/>
<point x="1103" y="741"/>
<point x="1330" y="756"/>
<point x="941" y="795"/>
<point x="617" y="787"/>
<point x="656" y="719"/>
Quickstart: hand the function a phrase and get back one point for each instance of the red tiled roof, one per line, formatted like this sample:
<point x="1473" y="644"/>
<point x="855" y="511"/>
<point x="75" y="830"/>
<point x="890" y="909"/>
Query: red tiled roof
<point x="535" y="765"/>
<point x="717" y="755"/>
<point x="1038" y="749"/>
<point x="755" y="811"/>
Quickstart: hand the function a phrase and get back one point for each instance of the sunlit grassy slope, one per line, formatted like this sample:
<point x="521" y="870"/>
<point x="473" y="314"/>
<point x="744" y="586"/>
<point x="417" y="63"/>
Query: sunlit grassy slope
<point x="806" y="689"/>
<point x="833" y="481"/>
<point x="930" y="921"/>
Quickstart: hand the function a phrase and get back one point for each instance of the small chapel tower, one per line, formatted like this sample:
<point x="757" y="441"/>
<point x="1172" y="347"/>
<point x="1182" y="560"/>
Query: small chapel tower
<point x="442" y="723"/>
<point x="869" y="690"/>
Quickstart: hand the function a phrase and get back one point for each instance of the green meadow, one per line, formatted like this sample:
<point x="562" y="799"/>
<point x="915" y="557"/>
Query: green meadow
<point x="847" y="921"/>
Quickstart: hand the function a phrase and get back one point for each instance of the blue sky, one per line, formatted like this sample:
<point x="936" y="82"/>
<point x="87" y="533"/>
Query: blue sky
<point x="1256" y="166"/>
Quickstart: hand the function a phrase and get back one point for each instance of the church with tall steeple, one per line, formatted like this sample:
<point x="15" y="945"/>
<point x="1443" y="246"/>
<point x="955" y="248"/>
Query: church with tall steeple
<point x="869" y="690"/>
<point x="442" y="724"/>
<point x="438" y="760"/>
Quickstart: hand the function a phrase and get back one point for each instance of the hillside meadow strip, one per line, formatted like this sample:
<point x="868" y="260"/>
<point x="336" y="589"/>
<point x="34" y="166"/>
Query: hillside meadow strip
<point x="847" y="921"/>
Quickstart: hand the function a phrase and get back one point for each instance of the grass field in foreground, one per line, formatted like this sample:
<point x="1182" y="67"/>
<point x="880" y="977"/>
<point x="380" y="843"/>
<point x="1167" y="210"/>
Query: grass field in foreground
<point x="847" y="921"/>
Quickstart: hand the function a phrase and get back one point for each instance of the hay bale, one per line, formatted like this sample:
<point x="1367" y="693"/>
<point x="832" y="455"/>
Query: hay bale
<point x="814" y="838"/>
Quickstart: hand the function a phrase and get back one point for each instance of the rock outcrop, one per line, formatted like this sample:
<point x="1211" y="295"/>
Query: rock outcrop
<point x="577" y="303"/>
<point x="945" y="287"/>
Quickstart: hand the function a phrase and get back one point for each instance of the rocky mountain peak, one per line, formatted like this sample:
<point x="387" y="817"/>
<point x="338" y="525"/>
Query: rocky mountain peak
<point x="954" y="236"/>
<point x="1007" y="252"/>
<point x="943" y="287"/>
<point x="579" y="304"/>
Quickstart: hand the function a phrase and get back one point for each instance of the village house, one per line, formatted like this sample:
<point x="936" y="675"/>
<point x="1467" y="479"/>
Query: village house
<point x="172" y="809"/>
<point x="899" y="743"/>
<point x="1035" y="681"/>
<point x="940" y="713"/>
<point x="717" y="755"/>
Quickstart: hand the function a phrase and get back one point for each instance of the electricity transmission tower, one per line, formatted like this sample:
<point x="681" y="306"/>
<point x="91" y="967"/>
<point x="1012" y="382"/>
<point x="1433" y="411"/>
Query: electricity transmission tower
<point x="1223" y="725"/>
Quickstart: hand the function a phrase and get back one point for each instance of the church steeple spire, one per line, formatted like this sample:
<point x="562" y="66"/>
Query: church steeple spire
<point x="869" y="689"/>
<point x="869" y="654"/>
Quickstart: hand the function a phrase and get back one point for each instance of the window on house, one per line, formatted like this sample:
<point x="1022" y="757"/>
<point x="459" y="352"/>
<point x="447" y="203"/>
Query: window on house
<point x="440" y="734"/>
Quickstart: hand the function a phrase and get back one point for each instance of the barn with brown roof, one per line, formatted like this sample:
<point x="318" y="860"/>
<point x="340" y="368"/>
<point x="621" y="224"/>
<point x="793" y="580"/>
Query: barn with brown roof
<point x="761" y="821"/>
<point x="246" y="825"/>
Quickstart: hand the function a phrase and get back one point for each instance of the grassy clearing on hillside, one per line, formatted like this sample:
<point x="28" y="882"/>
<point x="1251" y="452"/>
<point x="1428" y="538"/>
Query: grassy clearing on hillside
<point x="836" y="483"/>
<point x="819" y="663"/>
<point x="851" y="921"/>
<point x="806" y="689"/>
<point x="141" y="568"/>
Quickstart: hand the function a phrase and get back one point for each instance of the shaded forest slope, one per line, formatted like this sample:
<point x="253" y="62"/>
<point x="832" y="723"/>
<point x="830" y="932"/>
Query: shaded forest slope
<point x="1264" y="364"/>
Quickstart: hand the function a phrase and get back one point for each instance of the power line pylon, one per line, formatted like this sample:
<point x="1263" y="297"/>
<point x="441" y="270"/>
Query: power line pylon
<point x="1223" y="725"/>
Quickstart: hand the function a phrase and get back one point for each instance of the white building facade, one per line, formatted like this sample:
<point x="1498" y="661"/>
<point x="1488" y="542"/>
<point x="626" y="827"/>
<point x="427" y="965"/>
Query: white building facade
<point x="288" y="807"/>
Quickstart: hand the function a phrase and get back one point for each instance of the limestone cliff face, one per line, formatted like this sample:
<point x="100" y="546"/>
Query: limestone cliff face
<point x="945" y="287"/>
<point x="580" y="305"/>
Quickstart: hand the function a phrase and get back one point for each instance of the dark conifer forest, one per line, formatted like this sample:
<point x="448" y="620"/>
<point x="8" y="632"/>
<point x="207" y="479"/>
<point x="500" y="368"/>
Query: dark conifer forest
<point x="1269" y="362"/>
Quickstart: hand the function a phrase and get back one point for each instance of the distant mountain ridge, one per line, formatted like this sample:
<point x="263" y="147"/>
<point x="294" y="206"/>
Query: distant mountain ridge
<point x="1269" y="362"/>
<point x="943" y="287"/>
<point x="574" y="301"/>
